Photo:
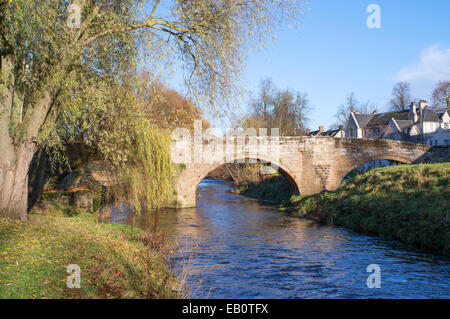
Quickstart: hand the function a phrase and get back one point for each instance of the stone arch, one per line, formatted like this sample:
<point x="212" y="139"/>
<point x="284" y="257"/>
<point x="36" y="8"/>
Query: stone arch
<point x="390" y="157"/>
<point x="292" y="180"/>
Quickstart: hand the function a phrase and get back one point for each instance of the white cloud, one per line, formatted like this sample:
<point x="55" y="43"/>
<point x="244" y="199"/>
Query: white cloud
<point x="432" y="66"/>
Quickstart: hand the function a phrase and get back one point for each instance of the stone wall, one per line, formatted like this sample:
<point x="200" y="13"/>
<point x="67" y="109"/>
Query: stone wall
<point x="436" y="154"/>
<point x="79" y="199"/>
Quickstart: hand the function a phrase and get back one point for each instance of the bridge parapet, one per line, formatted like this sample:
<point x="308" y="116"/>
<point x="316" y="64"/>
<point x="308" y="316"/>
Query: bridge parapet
<point x="311" y="164"/>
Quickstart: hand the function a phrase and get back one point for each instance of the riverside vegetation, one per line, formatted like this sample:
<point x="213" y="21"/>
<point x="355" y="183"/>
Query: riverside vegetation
<point x="116" y="261"/>
<point x="274" y="189"/>
<point x="409" y="203"/>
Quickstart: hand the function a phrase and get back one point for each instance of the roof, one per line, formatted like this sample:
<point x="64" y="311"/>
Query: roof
<point x="428" y="116"/>
<point x="404" y="124"/>
<point x="362" y="119"/>
<point x="384" y="118"/>
<point x="330" y="133"/>
<point x="441" y="115"/>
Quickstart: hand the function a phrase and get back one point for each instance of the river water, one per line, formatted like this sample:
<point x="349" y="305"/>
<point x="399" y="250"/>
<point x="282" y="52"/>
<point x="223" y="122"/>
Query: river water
<point x="234" y="247"/>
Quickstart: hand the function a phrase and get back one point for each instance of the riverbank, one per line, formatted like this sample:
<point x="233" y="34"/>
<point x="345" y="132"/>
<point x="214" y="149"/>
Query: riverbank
<point x="115" y="261"/>
<point x="274" y="189"/>
<point x="409" y="203"/>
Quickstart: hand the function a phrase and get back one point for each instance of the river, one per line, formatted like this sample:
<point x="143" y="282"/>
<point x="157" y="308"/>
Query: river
<point x="234" y="247"/>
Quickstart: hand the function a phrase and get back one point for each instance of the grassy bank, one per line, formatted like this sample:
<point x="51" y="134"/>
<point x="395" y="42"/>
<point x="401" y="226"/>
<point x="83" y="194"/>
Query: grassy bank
<point x="274" y="189"/>
<point x="114" y="262"/>
<point x="410" y="203"/>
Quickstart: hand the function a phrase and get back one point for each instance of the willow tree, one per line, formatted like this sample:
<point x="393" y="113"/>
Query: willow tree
<point x="45" y="45"/>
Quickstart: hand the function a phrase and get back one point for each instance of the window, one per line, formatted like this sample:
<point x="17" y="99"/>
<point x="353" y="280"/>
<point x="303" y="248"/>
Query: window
<point x="446" y="142"/>
<point x="435" y="142"/>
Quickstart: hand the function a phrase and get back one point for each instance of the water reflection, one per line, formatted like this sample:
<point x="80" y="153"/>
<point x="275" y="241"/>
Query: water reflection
<point x="242" y="248"/>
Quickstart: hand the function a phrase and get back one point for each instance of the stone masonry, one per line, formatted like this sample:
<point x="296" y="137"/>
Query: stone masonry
<point x="310" y="164"/>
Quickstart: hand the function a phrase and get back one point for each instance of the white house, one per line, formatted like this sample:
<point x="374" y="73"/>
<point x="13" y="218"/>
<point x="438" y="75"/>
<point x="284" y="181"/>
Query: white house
<point x="419" y="125"/>
<point x="339" y="132"/>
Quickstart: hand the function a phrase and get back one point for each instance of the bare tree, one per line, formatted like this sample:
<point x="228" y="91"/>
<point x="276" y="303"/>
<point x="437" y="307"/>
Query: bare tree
<point x="344" y="110"/>
<point x="283" y="109"/>
<point x="441" y="96"/>
<point x="401" y="96"/>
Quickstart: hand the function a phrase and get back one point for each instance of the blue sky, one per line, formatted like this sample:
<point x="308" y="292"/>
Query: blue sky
<point x="333" y="52"/>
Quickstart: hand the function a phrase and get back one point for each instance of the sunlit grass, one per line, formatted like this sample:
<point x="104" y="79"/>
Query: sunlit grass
<point x="409" y="203"/>
<point x="114" y="263"/>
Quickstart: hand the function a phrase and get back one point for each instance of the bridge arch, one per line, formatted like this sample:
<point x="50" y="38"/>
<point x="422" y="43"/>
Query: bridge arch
<point x="284" y="171"/>
<point x="186" y="184"/>
<point x="358" y="163"/>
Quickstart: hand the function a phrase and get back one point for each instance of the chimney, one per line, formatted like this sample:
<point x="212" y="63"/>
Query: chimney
<point x="412" y="116"/>
<point x="320" y="129"/>
<point x="341" y="127"/>
<point x="422" y="104"/>
<point x="308" y="130"/>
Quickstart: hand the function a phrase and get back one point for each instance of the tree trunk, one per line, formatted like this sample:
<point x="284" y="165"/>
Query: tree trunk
<point x="14" y="165"/>
<point x="36" y="177"/>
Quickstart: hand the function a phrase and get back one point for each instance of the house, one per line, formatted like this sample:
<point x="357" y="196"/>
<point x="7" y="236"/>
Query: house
<point x="371" y="125"/>
<point x="340" y="132"/>
<point x="418" y="125"/>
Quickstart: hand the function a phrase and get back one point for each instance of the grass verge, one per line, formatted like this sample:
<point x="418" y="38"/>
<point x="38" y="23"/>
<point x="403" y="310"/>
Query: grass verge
<point x="114" y="262"/>
<point x="275" y="189"/>
<point x="409" y="203"/>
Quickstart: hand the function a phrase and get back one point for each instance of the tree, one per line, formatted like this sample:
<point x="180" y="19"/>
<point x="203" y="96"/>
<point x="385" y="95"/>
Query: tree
<point x="166" y="107"/>
<point x="46" y="57"/>
<point x="344" y="110"/>
<point x="352" y="105"/>
<point x="401" y="96"/>
<point x="441" y="96"/>
<point x="283" y="109"/>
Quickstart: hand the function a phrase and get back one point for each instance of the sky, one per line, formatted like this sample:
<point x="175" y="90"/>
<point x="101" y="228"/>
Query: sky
<point x="333" y="53"/>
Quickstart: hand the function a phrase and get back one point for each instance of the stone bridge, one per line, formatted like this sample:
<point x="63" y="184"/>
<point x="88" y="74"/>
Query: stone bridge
<point x="310" y="164"/>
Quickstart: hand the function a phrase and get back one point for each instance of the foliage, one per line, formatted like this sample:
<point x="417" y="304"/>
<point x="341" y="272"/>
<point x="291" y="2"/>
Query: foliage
<point x="114" y="264"/>
<point x="55" y="76"/>
<point x="243" y="174"/>
<point x="47" y="59"/>
<point x="275" y="189"/>
<point x="147" y="178"/>
<point x="274" y="108"/>
<point x="165" y="107"/>
<point x="121" y="132"/>
<point x="405" y="202"/>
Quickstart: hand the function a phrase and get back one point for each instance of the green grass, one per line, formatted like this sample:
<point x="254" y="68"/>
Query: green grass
<point x="410" y="203"/>
<point x="114" y="262"/>
<point x="275" y="189"/>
